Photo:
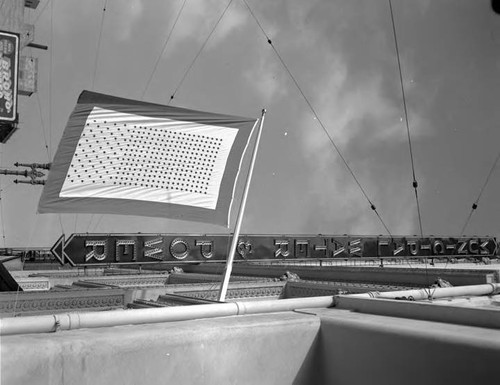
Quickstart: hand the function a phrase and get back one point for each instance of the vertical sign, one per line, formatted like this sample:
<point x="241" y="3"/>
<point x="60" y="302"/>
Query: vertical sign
<point x="9" y="62"/>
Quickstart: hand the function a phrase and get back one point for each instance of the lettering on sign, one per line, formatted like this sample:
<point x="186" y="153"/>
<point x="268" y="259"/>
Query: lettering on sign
<point x="206" y="248"/>
<point x="282" y="248"/>
<point x="9" y="58"/>
<point x="128" y="246"/>
<point x="82" y="249"/>
<point x="151" y="251"/>
<point x="301" y="248"/>
<point x="322" y="249"/>
<point x="473" y="246"/>
<point x="96" y="247"/>
<point x="179" y="243"/>
<point x="244" y="248"/>
<point x="484" y="248"/>
<point x="438" y="247"/>
<point x="350" y="248"/>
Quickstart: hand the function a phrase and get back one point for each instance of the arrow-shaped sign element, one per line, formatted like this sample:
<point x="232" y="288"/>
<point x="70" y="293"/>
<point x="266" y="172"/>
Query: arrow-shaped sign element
<point x="58" y="251"/>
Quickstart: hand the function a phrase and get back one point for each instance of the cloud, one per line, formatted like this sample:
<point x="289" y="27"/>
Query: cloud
<point x="267" y="79"/>
<point x="125" y="17"/>
<point x="198" y="18"/>
<point x="354" y="88"/>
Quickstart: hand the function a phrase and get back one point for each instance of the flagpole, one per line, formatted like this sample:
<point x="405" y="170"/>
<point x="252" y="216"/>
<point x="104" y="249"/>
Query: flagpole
<point x="236" y="235"/>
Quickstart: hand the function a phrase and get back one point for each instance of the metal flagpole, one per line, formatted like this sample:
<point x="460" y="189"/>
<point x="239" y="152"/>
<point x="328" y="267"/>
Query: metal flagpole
<point x="236" y="235"/>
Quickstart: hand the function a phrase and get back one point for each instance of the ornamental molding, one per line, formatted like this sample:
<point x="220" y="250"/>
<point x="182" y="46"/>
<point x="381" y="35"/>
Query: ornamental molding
<point x="33" y="284"/>
<point x="235" y="293"/>
<point x="127" y="282"/>
<point x="31" y="303"/>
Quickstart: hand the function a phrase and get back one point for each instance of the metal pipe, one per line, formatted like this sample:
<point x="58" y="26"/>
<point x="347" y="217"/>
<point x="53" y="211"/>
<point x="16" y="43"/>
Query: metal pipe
<point x="422" y="310"/>
<point x="234" y="244"/>
<point x="70" y="321"/>
<point x="438" y="292"/>
<point x="39" y="46"/>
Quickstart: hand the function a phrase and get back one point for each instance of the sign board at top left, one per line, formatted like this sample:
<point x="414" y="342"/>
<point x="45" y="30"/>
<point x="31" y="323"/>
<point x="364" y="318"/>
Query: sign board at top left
<point x="9" y="63"/>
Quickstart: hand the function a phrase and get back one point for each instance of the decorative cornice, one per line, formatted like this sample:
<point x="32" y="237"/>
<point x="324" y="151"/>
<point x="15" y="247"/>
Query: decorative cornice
<point x="30" y="303"/>
<point x="148" y="280"/>
<point x="236" y="293"/>
<point x="33" y="284"/>
<point x="319" y="288"/>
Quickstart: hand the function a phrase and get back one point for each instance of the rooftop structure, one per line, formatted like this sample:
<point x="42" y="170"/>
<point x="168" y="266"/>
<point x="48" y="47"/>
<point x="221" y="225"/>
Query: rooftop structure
<point x="279" y="325"/>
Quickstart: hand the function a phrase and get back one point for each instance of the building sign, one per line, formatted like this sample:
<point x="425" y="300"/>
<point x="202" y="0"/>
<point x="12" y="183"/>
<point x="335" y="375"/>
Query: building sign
<point x="90" y="249"/>
<point x="9" y="58"/>
<point x="28" y="75"/>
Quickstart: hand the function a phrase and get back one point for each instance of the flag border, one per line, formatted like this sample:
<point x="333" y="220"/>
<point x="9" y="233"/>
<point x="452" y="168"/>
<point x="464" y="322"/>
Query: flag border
<point x="51" y="202"/>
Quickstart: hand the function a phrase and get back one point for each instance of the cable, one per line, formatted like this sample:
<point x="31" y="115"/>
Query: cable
<point x="98" y="222"/>
<point x="50" y="75"/>
<point x="475" y="204"/>
<point x="163" y="49"/>
<point x="95" y="73"/>
<point x="199" y="52"/>
<point x="99" y="43"/>
<point x="42" y="126"/>
<point x="51" y="68"/>
<point x="337" y="149"/>
<point x="2" y="217"/>
<point x="415" y="183"/>
<point x="90" y="222"/>
<point x="3" y="3"/>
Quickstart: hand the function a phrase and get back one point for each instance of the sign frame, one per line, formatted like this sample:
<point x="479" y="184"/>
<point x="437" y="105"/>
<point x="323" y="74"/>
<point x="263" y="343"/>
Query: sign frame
<point x="12" y="57"/>
<point x="142" y="249"/>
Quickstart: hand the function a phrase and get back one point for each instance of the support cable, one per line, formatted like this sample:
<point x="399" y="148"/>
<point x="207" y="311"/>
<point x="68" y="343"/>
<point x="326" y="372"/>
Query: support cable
<point x="163" y="49"/>
<point x="50" y="74"/>
<point x="95" y="72"/>
<point x="90" y="222"/>
<point x="199" y="52"/>
<point x="1" y="5"/>
<point x="99" y="43"/>
<point x="330" y="138"/>
<point x="2" y="217"/>
<point x="97" y="224"/>
<point x="476" y="202"/>
<point x="51" y="68"/>
<point x="415" y="183"/>
<point x="410" y="147"/>
<point x="42" y="126"/>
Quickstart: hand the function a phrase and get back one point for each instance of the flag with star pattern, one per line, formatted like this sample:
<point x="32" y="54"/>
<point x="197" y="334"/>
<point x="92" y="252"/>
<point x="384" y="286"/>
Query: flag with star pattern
<point x="121" y="156"/>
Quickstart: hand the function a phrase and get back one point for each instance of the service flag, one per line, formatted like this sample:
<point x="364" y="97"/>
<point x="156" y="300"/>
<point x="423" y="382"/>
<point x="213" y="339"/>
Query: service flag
<point x="121" y="156"/>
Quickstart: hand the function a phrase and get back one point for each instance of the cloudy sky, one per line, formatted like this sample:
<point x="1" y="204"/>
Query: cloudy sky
<point x="343" y="56"/>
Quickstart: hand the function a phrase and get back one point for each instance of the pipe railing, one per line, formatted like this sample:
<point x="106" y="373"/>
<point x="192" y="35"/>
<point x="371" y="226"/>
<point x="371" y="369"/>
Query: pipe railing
<point x="434" y="293"/>
<point x="70" y="321"/>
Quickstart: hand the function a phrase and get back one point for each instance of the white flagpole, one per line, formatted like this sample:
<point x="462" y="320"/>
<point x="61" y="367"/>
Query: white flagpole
<point x="236" y="235"/>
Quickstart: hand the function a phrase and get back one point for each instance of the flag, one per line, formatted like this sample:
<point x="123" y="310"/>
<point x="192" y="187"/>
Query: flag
<point x="121" y="156"/>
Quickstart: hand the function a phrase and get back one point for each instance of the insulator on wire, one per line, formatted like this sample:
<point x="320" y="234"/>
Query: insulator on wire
<point x="373" y="207"/>
<point x="415" y="184"/>
<point x="269" y="41"/>
<point x="474" y="206"/>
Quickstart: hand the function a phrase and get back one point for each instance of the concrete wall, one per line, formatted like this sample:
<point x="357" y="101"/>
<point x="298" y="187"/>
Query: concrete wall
<point x="359" y="348"/>
<point x="260" y="349"/>
<point x="328" y="346"/>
